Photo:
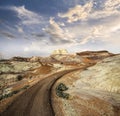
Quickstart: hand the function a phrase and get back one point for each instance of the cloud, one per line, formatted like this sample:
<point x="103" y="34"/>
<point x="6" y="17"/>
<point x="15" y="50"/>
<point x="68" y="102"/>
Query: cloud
<point x="1" y="21"/>
<point x="105" y="31"/>
<point x="88" y="26"/>
<point x="95" y="33"/>
<point x="77" y="13"/>
<point x="87" y="11"/>
<point x="32" y="47"/>
<point x="112" y="5"/>
<point x="20" y="29"/>
<point x="8" y="35"/>
<point x="57" y="34"/>
<point x="27" y="17"/>
<point x="95" y="24"/>
<point x="30" y="22"/>
<point x="85" y="40"/>
<point x="39" y="48"/>
<point x="38" y="35"/>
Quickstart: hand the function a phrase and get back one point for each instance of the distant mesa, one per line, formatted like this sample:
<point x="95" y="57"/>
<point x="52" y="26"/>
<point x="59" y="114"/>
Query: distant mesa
<point x="95" y="54"/>
<point x="60" y="51"/>
<point x="34" y="59"/>
<point x="18" y="58"/>
<point x="103" y="52"/>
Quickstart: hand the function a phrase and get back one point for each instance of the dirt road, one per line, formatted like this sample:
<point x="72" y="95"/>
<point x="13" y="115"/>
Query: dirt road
<point x="36" y="101"/>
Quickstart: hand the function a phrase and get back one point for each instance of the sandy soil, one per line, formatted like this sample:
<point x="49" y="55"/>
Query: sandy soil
<point x="85" y="101"/>
<point x="36" y="101"/>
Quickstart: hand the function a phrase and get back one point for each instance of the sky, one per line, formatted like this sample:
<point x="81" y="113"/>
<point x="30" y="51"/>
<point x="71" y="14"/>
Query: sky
<point x="37" y="27"/>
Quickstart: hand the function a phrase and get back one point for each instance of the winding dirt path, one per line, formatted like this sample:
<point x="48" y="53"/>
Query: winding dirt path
<point x="36" y="101"/>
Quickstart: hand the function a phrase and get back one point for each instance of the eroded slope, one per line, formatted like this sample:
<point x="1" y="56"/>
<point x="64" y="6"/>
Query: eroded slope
<point x="95" y="90"/>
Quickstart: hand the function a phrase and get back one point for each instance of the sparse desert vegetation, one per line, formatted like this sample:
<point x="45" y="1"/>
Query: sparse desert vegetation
<point x="60" y="91"/>
<point x="94" y="90"/>
<point x="75" y="83"/>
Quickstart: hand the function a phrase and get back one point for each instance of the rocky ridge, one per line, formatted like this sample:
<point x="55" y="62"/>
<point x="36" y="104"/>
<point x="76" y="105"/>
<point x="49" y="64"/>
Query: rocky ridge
<point x="95" y="90"/>
<point x="17" y="73"/>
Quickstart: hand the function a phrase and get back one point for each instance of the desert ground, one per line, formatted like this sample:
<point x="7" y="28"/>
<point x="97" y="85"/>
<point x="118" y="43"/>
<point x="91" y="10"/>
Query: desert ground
<point x="62" y="84"/>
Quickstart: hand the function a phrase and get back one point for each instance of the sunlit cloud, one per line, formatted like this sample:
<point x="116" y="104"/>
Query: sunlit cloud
<point x="79" y="25"/>
<point x="57" y="34"/>
<point x="27" y="17"/>
<point x="77" y="13"/>
<point x="112" y="5"/>
<point x="103" y="27"/>
<point x="20" y="29"/>
<point x="86" y="12"/>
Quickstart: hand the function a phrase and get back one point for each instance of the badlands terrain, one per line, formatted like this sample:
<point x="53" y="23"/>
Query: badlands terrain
<point x="62" y="84"/>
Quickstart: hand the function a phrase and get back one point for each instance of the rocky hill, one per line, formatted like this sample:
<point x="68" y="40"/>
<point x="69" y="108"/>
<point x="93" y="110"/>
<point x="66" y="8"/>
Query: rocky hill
<point x="95" y="90"/>
<point x="95" y="55"/>
<point x="87" y="87"/>
<point x="105" y="76"/>
<point x="60" y="51"/>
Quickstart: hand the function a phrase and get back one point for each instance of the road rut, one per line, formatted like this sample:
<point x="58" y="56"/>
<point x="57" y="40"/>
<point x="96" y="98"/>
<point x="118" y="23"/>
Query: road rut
<point x="36" y="101"/>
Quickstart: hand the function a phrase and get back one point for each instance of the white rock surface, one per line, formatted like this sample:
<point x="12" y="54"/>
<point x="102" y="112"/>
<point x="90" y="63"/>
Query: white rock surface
<point x="105" y="76"/>
<point x="60" y="51"/>
<point x="16" y="66"/>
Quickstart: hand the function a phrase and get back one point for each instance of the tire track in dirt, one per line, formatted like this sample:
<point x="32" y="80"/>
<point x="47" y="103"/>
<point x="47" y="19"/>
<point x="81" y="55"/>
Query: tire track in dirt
<point x="36" y="101"/>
